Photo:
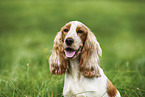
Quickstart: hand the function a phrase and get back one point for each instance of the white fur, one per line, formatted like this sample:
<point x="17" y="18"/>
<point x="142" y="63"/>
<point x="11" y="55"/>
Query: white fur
<point x="79" y="86"/>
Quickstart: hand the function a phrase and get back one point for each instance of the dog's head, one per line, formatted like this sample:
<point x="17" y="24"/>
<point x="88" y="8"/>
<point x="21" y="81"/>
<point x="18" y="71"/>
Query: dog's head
<point x="75" y="39"/>
<point x="74" y="35"/>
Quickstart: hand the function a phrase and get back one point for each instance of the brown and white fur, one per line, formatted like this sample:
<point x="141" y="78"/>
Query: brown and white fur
<point x="76" y="53"/>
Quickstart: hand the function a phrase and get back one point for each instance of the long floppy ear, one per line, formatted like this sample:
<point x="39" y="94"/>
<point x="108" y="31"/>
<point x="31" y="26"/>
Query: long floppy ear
<point x="57" y="62"/>
<point x="89" y="58"/>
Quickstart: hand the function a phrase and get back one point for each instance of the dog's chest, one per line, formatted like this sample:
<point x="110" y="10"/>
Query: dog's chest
<point x="77" y="84"/>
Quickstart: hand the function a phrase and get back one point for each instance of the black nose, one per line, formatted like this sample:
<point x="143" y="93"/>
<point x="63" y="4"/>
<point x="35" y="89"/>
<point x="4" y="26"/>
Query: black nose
<point x="69" y="41"/>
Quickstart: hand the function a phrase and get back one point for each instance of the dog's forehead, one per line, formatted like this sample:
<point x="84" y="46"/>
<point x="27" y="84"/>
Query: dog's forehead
<point x="74" y="24"/>
<point x="77" y="23"/>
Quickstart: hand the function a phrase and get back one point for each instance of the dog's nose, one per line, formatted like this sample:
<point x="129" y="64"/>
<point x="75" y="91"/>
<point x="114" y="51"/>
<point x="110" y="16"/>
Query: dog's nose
<point x="69" y="41"/>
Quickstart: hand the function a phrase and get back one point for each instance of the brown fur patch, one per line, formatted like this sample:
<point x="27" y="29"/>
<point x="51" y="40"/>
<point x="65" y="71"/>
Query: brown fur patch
<point x="67" y="26"/>
<point x="111" y="90"/>
<point x="88" y="69"/>
<point x="82" y="35"/>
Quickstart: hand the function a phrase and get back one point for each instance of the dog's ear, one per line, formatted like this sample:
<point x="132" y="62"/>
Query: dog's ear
<point x="89" y="58"/>
<point x="57" y="62"/>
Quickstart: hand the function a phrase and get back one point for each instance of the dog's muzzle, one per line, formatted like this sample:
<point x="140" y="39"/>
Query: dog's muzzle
<point x="70" y="53"/>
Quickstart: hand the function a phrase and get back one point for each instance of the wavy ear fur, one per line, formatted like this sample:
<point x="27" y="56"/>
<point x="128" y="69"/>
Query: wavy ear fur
<point x="57" y="62"/>
<point x="89" y="58"/>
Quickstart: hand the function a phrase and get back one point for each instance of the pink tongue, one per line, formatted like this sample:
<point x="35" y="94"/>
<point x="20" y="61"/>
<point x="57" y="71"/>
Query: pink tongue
<point x="70" y="53"/>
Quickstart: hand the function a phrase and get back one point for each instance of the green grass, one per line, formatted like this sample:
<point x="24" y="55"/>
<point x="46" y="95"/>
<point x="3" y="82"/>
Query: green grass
<point x="27" y="30"/>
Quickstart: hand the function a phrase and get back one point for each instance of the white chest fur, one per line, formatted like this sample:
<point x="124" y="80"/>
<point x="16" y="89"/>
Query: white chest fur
<point x="79" y="86"/>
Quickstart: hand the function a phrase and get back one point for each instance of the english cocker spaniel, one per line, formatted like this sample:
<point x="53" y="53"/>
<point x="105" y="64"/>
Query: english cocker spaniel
<point x="76" y="53"/>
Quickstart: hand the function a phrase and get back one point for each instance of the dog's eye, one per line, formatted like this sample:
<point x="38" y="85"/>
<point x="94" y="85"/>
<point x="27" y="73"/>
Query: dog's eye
<point x="65" y="30"/>
<point x="79" y="31"/>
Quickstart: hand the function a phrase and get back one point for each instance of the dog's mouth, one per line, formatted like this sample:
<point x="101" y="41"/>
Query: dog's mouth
<point x="71" y="53"/>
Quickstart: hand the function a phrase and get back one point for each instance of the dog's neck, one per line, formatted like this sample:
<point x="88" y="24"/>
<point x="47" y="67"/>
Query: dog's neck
<point x="74" y="69"/>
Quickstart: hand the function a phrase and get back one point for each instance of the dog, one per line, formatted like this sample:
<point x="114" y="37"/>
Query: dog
<point x="76" y="53"/>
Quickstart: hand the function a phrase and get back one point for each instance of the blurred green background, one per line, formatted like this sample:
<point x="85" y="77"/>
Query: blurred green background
<point x="28" y="28"/>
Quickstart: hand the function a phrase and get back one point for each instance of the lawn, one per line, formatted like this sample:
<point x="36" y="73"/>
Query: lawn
<point x="27" y="31"/>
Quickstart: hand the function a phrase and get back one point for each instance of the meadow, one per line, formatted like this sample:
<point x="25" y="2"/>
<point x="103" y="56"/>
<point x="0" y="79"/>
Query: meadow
<point x="27" y="31"/>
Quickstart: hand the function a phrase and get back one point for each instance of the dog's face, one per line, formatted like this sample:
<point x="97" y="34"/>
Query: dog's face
<point x="75" y="39"/>
<point x="73" y="36"/>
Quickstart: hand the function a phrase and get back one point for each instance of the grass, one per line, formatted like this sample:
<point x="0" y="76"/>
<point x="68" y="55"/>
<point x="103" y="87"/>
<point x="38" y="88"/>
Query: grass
<point x="27" y="30"/>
